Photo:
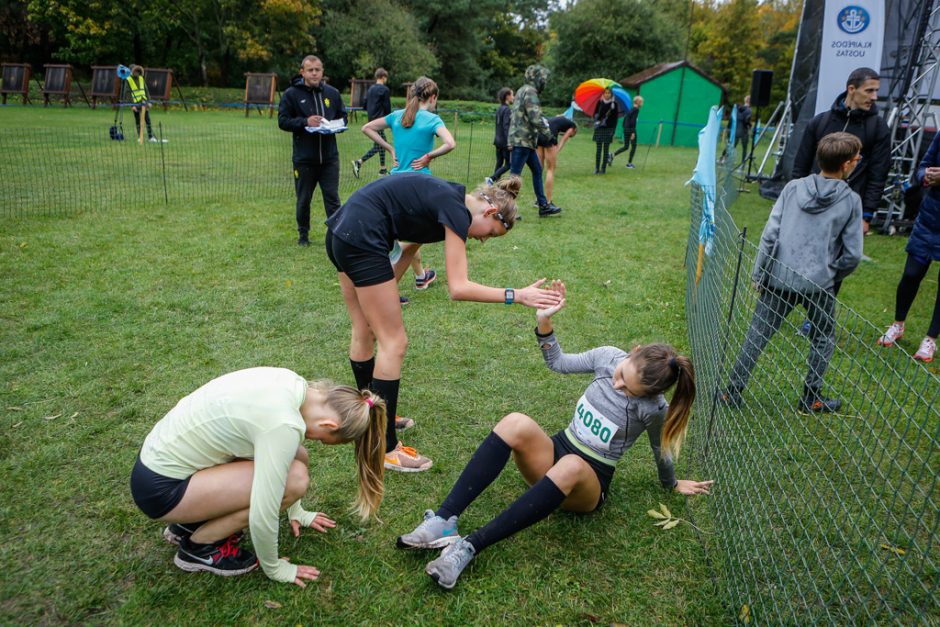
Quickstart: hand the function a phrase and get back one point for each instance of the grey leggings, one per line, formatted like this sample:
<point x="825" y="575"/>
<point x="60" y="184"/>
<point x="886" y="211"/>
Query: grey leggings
<point x="772" y="307"/>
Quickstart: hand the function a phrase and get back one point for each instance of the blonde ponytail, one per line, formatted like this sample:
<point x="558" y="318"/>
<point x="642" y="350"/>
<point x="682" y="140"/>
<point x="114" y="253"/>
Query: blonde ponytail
<point x="660" y="367"/>
<point x="362" y="417"/>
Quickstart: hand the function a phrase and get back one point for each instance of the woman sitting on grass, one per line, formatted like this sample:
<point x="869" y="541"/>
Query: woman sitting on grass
<point x="231" y="455"/>
<point x="420" y="209"/>
<point x="573" y="468"/>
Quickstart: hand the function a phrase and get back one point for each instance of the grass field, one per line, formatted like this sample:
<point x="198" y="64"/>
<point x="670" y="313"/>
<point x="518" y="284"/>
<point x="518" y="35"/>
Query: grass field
<point x="109" y="316"/>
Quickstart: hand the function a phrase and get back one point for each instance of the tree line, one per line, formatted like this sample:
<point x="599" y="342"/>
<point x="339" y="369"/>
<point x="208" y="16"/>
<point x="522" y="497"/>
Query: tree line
<point x="471" y="47"/>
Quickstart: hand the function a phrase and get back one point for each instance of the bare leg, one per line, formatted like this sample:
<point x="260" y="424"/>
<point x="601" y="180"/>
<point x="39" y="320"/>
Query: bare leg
<point x="221" y="496"/>
<point x="549" y="160"/>
<point x="533" y="453"/>
<point x="416" y="266"/>
<point x="409" y="251"/>
<point x="362" y="340"/>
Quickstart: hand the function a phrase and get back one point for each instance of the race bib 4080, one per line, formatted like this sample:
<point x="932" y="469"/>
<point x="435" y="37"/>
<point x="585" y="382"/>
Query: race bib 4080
<point x="591" y="426"/>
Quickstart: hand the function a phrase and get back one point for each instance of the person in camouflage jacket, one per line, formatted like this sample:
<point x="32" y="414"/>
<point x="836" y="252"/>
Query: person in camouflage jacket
<point x="526" y="127"/>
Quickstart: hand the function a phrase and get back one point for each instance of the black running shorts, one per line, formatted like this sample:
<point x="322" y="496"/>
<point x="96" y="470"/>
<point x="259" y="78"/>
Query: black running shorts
<point x="155" y="494"/>
<point x="604" y="472"/>
<point x="363" y="267"/>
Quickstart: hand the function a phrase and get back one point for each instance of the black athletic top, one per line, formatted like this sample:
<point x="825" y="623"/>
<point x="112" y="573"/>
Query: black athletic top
<point x="411" y="207"/>
<point x="557" y="125"/>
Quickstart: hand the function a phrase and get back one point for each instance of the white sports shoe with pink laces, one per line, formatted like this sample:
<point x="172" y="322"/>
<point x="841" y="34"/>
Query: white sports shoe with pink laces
<point x="928" y="346"/>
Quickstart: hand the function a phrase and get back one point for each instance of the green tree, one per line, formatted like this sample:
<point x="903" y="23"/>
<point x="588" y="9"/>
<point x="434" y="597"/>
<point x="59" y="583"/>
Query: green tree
<point x="357" y="37"/>
<point x="610" y="39"/>
<point x="728" y="49"/>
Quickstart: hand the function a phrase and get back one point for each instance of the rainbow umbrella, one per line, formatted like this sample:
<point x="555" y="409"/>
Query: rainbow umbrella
<point x="589" y="92"/>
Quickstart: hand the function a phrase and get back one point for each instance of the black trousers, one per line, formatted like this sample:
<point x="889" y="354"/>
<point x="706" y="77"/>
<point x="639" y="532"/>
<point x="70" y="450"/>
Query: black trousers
<point x="502" y="163"/>
<point x="306" y="179"/>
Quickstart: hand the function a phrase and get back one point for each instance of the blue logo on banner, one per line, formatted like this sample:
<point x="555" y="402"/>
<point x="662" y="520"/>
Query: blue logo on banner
<point x="853" y="19"/>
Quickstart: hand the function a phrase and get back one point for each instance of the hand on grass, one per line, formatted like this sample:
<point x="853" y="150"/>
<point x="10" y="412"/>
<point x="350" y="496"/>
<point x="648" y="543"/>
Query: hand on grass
<point x="691" y="488"/>
<point x="544" y="313"/>
<point x="535" y="296"/>
<point x="304" y="573"/>
<point x="320" y="523"/>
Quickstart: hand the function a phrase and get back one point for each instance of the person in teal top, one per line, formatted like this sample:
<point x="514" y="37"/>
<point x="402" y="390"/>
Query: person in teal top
<point x="413" y="131"/>
<point x="231" y="455"/>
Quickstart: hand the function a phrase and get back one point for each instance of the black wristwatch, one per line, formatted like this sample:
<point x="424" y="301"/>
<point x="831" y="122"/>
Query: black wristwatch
<point x="510" y="296"/>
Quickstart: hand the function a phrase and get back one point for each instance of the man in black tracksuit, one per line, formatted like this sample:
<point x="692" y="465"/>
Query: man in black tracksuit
<point x="855" y="112"/>
<point x="307" y="102"/>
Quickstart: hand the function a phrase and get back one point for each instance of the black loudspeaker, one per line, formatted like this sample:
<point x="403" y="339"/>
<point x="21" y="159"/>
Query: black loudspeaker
<point x="761" y="81"/>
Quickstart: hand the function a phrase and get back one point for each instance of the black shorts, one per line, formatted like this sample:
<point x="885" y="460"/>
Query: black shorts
<point x="363" y="267"/>
<point x="155" y="494"/>
<point x="604" y="472"/>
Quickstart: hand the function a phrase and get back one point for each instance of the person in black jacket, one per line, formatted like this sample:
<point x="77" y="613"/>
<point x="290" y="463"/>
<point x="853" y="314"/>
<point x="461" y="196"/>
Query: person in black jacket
<point x="742" y="129"/>
<point x="378" y="105"/>
<point x="306" y="103"/>
<point x="629" y="132"/>
<point x="854" y="111"/>
<point x="605" y="123"/>
<point x="501" y="138"/>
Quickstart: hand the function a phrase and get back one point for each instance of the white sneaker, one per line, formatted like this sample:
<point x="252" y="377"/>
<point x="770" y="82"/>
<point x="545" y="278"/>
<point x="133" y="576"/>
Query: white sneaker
<point x="894" y="333"/>
<point x="925" y="353"/>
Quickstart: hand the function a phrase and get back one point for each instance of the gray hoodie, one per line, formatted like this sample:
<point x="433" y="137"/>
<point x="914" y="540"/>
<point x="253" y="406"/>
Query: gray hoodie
<point x="813" y="237"/>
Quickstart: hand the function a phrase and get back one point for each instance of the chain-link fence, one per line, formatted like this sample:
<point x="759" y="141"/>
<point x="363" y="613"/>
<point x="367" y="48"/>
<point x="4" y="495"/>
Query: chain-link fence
<point x="817" y="517"/>
<point x="56" y="171"/>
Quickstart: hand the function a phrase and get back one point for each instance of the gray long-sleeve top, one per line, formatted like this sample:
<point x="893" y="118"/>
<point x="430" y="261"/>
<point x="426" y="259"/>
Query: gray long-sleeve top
<point x="606" y="421"/>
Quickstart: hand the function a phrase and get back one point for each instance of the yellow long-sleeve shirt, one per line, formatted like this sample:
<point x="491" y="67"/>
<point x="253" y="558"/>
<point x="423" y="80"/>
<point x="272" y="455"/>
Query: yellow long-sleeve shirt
<point x="248" y="414"/>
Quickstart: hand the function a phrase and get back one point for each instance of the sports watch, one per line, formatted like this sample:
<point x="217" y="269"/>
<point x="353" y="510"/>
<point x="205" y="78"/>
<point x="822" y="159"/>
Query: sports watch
<point x="510" y="296"/>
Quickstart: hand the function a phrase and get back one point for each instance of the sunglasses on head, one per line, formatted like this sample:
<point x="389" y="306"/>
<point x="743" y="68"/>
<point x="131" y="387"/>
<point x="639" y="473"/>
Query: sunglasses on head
<point x="499" y="214"/>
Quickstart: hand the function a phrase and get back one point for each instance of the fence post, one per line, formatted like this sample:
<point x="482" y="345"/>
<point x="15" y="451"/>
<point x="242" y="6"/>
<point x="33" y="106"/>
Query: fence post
<point x="166" y="196"/>
<point x="469" y="152"/>
<point x="734" y="293"/>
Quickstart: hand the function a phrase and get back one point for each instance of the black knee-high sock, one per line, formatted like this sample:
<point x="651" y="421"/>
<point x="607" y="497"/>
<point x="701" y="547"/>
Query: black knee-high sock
<point x="388" y="390"/>
<point x="362" y="370"/>
<point x="537" y="503"/>
<point x="487" y="462"/>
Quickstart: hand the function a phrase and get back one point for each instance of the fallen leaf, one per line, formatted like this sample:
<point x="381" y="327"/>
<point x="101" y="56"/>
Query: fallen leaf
<point x="662" y="522"/>
<point x="73" y="415"/>
<point x="52" y="417"/>
<point x="894" y="549"/>
<point x="672" y="523"/>
<point x="591" y="618"/>
<point x="745" y="614"/>
<point x="15" y="408"/>
<point x="288" y="283"/>
<point x="272" y="605"/>
<point x="653" y="513"/>
<point x="665" y="510"/>
<point x="17" y="424"/>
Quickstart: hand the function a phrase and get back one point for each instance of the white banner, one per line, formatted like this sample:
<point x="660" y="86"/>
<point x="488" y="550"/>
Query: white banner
<point x="852" y="37"/>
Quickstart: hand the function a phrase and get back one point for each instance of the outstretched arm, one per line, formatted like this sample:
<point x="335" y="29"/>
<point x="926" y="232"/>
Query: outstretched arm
<point x="461" y="287"/>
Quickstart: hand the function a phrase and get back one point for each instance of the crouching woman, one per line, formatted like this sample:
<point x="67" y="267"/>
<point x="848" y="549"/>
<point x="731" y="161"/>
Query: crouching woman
<point x="231" y="455"/>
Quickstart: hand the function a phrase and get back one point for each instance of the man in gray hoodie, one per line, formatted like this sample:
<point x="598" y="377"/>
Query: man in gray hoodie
<point x="812" y="240"/>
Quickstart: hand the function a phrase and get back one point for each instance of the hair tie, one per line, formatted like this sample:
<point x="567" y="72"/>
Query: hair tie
<point x="369" y="402"/>
<point x="673" y="363"/>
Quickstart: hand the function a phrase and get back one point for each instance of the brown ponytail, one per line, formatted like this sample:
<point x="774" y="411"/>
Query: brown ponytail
<point x="363" y="422"/>
<point x="660" y="367"/>
<point x="420" y="91"/>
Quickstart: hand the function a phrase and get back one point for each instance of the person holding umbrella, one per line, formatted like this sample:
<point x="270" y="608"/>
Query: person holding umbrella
<point x="598" y="98"/>
<point x="605" y="123"/>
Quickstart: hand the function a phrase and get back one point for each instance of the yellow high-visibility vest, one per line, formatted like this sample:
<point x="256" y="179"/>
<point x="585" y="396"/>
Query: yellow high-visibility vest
<point x="138" y="88"/>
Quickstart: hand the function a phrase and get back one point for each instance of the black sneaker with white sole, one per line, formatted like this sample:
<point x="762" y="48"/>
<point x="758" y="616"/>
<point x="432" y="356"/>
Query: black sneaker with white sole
<point x="223" y="558"/>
